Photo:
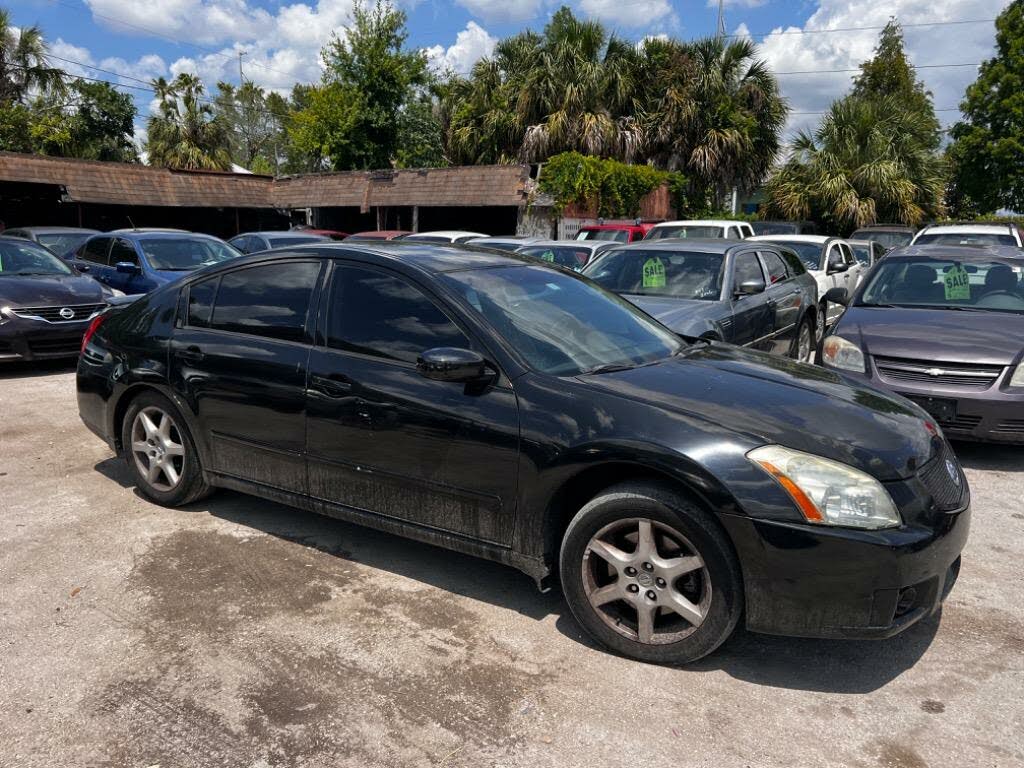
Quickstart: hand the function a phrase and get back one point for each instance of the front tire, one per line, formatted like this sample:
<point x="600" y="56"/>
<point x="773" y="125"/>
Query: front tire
<point x="805" y="341"/>
<point x="650" y="575"/>
<point x="160" y="452"/>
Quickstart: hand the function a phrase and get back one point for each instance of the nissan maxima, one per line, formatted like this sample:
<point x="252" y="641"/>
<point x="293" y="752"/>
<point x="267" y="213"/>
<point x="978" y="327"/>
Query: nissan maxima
<point x="45" y="305"/>
<point x="521" y="413"/>
<point x="943" y="326"/>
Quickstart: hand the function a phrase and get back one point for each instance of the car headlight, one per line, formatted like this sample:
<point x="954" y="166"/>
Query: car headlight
<point x="1017" y="380"/>
<point x="838" y="352"/>
<point x="828" y="492"/>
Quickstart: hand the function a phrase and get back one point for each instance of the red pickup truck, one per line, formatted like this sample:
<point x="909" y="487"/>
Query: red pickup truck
<point x="618" y="231"/>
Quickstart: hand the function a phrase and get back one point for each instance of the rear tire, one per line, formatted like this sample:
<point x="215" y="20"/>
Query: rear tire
<point x="161" y="453"/>
<point x="805" y="341"/>
<point x="822" y="321"/>
<point x="650" y="575"/>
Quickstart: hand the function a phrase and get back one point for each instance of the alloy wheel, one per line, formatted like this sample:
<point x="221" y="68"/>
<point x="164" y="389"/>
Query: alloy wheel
<point x="158" y="448"/>
<point x="646" y="581"/>
<point x="804" y="345"/>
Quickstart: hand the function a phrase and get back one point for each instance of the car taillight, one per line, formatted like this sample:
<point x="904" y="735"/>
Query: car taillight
<point x="91" y="330"/>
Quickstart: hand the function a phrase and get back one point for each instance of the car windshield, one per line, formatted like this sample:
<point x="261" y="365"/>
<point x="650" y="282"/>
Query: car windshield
<point x="686" y="230"/>
<point x="284" y="242"/>
<point x="27" y="258"/>
<point x="563" y="256"/>
<point x="887" y="240"/>
<point x="62" y="242"/>
<point x="561" y="324"/>
<point x="679" y="274"/>
<point x="183" y="254"/>
<point x="611" y="235"/>
<point x="964" y="238"/>
<point x="809" y="253"/>
<point x="947" y="284"/>
<point x="775" y="228"/>
<point x="863" y="253"/>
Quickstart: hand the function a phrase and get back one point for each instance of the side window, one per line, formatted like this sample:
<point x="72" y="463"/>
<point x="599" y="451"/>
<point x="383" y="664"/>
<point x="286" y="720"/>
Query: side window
<point x="200" y="302"/>
<point x="746" y="231"/>
<point x="123" y="251"/>
<point x="848" y="254"/>
<point x="746" y="267"/>
<point x="796" y="267"/>
<point x="241" y="243"/>
<point x="373" y="313"/>
<point x="774" y="266"/>
<point x="835" y="256"/>
<point x="96" y="250"/>
<point x="271" y="300"/>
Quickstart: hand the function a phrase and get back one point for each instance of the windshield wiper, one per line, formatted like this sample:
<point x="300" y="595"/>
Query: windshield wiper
<point x="608" y="368"/>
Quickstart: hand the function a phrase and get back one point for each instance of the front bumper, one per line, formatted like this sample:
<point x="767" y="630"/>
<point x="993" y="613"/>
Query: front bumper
<point x="815" y="581"/>
<point x="24" y="339"/>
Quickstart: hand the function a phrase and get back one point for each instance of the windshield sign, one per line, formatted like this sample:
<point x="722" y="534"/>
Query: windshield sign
<point x="971" y="285"/>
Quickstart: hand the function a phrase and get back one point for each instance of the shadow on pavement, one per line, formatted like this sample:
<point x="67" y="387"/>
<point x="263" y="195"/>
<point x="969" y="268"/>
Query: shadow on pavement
<point x="1004" y="458"/>
<point x="33" y="368"/>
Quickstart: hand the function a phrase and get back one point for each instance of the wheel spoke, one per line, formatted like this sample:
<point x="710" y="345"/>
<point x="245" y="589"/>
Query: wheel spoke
<point x="140" y="446"/>
<point x="153" y="472"/>
<point x="606" y="594"/>
<point x="611" y="554"/>
<point x="174" y="449"/>
<point x="679" y="566"/>
<point x="165" y="427"/>
<point x="148" y="425"/>
<point x="645" y="622"/>
<point x="646" y="548"/>
<point x="679" y="603"/>
<point x="169" y="471"/>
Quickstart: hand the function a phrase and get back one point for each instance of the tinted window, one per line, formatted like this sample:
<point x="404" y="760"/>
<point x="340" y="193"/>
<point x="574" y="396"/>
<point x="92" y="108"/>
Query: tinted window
<point x="383" y="315"/>
<point x="746" y="267"/>
<point x="848" y="254"/>
<point x="775" y="228"/>
<point x="573" y="258"/>
<point x="886" y="239"/>
<point x="809" y="253"/>
<point x="200" y="302"/>
<point x="680" y="274"/>
<point x="613" y="235"/>
<point x="123" y="251"/>
<point x="244" y="244"/>
<point x="796" y="267"/>
<point x="183" y="254"/>
<point x="863" y="253"/>
<point x="96" y="250"/>
<point x="283" y="242"/>
<point x="949" y="238"/>
<point x="270" y="300"/>
<point x="689" y="230"/>
<point x="775" y="266"/>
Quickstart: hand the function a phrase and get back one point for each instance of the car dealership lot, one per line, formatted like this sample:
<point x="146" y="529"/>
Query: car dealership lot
<point x="239" y="632"/>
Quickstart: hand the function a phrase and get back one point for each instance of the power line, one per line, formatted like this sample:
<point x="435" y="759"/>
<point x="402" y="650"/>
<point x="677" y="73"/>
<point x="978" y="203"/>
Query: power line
<point x="858" y="69"/>
<point x="909" y="25"/>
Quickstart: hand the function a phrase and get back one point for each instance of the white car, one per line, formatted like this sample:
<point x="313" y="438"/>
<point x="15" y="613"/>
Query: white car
<point x="832" y="263"/>
<point x="443" y="236"/>
<point x="969" y="234"/>
<point x="712" y="229"/>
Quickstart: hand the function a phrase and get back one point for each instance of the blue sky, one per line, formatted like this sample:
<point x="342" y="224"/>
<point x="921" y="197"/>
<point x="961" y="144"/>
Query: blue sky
<point x="141" y="39"/>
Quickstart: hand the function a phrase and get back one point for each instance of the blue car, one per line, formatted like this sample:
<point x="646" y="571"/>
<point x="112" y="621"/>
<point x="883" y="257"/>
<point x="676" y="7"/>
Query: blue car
<point x="138" y="261"/>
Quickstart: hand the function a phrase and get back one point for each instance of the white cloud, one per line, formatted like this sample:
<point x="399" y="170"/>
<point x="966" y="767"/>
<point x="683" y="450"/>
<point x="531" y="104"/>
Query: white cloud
<point x="471" y="44"/>
<point x="502" y="10"/>
<point x="815" y="54"/>
<point x="629" y="14"/>
<point x="738" y="3"/>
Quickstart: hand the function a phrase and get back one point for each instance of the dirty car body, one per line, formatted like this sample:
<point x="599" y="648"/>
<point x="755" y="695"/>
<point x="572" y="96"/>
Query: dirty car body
<point x="358" y="421"/>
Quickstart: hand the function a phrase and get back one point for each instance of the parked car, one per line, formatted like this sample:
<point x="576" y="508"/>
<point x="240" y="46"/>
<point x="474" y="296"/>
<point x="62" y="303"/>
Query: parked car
<point x="572" y="254"/>
<point x="888" y="235"/>
<point x="701" y="229"/>
<point x="379" y="234"/>
<point x="523" y="414"/>
<point x="444" y="236"/>
<point x="616" y="231"/>
<point x="830" y="261"/>
<point x="332" y="234"/>
<point x="59" y="240"/>
<point x="754" y="296"/>
<point x="45" y="304"/>
<point x="867" y="252"/>
<point x="510" y="243"/>
<point x="253" y="242"/>
<point x="784" y="227"/>
<point x="969" y="234"/>
<point x="137" y="261"/>
<point x="944" y="327"/>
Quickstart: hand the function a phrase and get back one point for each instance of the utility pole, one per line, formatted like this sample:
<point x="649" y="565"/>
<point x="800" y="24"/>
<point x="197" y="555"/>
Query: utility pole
<point x="241" y="77"/>
<point x="721" y="18"/>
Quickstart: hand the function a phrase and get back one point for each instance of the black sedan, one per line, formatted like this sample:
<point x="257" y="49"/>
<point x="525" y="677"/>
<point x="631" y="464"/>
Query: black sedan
<point x="943" y="326"/>
<point x="45" y="305"/>
<point x="758" y="296"/>
<point x="518" y="412"/>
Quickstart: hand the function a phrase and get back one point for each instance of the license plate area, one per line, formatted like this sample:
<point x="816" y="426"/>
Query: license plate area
<point x="942" y="409"/>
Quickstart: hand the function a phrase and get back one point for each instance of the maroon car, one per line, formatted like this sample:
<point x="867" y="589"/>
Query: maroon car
<point x="944" y="327"/>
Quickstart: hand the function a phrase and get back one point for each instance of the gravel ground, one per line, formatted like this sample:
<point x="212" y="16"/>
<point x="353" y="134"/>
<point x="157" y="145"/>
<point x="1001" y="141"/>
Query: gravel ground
<point x="242" y="633"/>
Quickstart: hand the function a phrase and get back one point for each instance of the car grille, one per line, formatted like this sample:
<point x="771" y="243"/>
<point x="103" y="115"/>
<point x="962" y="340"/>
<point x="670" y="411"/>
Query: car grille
<point x="52" y="314"/>
<point x="960" y="422"/>
<point x="947" y="492"/>
<point x="960" y="375"/>
<point x="1011" y="425"/>
<point x="61" y="345"/>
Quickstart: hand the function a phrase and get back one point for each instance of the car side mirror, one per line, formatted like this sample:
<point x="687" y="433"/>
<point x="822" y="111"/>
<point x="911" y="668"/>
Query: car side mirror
<point x="835" y="267"/>
<point x="837" y="296"/>
<point x="82" y="267"/>
<point x="127" y="268"/>
<point x="452" y="364"/>
<point x="750" y="287"/>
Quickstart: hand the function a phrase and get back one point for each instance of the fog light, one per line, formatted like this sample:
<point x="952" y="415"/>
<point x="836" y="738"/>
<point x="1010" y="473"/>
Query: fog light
<point x="906" y="601"/>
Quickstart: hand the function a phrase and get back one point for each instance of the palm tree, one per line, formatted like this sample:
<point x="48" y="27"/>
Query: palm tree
<point x="24" y="70"/>
<point x="869" y="160"/>
<point x="185" y="134"/>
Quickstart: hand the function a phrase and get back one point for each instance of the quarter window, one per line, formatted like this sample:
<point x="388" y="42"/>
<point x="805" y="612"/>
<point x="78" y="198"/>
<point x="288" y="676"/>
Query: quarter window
<point x="200" y="302"/>
<point x="373" y="313"/>
<point x="96" y="250"/>
<point x="271" y="300"/>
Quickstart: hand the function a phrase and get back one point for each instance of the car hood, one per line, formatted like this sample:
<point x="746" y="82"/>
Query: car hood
<point x="49" y="290"/>
<point x="776" y="400"/>
<point x="939" y="335"/>
<point x="686" y="316"/>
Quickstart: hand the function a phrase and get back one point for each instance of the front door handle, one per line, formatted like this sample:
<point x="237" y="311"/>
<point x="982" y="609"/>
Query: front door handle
<point x="330" y="387"/>
<point x="191" y="354"/>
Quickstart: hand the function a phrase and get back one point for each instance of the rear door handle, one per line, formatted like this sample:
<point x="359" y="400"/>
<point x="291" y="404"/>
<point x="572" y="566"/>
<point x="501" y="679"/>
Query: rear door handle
<point x="330" y="387"/>
<point x="191" y="354"/>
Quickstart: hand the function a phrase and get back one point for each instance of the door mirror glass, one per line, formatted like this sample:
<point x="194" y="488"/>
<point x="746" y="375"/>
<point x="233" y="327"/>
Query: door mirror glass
<point x="835" y="262"/>
<point x="837" y="296"/>
<point x="451" y="364"/>
<point x="127" y="268"/>
<point x="750" y="287"/>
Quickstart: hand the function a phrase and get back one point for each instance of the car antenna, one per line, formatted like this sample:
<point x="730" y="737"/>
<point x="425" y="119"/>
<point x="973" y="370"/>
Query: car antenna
<point x="131" y="222"/>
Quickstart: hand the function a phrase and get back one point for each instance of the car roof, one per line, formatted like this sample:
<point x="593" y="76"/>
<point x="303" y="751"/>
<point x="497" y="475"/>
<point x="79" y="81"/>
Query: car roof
<point x="868" y="243"/>
<point x="692" y="244"/>
<point x="573" y="243"/>
<point x="429" y="257"/>
<point x="151" y="234"/>
<point x="783" y="239"/>
<point x="445" y="233"/>
<point x="525" y="239"/>
<point x="940" y="252"/>
<point x="886" y="228"/>
<point x="380" y="234"/>
<point x="700" y="223"/>
<point x="282" y="233"/>
<point x="968" y="229"/>
<point x="44" y="230"/>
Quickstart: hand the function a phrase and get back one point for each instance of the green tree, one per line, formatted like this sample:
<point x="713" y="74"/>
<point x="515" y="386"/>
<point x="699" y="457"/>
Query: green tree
<point x="420" y="136"/>
<point x="102" y="126"/>
<point x="254" y="127"/>
<point x="368" y="80"/>
<point x="24" y="70"/>
<point x="987" y="152"/>
<point x="185" y="133"/>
